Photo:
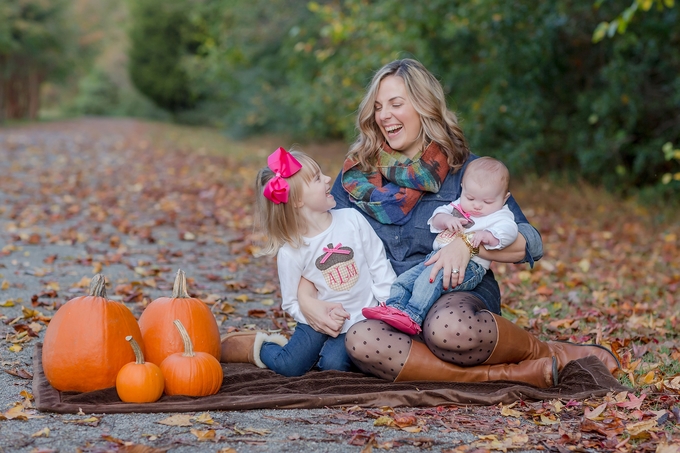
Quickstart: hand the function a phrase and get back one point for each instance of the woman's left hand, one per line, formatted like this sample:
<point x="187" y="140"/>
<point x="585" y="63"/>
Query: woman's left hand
<point x="454" y="256"/>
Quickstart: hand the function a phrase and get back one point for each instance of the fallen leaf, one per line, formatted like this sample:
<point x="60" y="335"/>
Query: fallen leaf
<point x="83" y="283"/>
<point x="665" y="447"/>
<point x="648" y="378"/>
<point x="594" y="414"/>
<point x="45" y="432"/>
<point x="18" y="412"/>
<point x="404" y="420"/>
<point x="547" y="420"/>
<point x="202" y="436"/>
<point x="204" y="418"/>
<point x="261" y="432"/>
<point x="383" y="421"/>
<point x="139" y="448"/>
<point x="634" y="402"/>
<point x="90" y="421"/>
<point x="634" y="429"/>
<point x="177" y="420"/>
<point x="266" y="289"/>
<point x="672" y="384"/>
<point x="23" y="374"/>
<point x="507" y="411"/>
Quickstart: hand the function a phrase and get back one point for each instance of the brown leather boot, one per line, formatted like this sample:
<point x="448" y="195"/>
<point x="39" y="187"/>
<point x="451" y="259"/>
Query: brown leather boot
<point x="515" y="344"/>
<point x="422" y="365"/>
<point x="244" y="347"/>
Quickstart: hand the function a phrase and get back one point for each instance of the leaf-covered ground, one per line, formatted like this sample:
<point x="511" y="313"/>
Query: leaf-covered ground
<point x="136" y="201"/>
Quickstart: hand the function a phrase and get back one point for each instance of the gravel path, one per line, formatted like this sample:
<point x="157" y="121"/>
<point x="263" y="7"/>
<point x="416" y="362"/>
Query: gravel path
<point x="93" y="196"/>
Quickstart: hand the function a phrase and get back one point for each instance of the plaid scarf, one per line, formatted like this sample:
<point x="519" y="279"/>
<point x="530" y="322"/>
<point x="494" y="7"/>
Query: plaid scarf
<point x="389" y="193"/>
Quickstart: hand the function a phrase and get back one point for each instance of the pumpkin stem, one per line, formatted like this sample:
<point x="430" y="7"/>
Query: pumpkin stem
<point x="139" y="355"/>
<point x="98" y="286"/>
<point x="188" y="346"/>
<point x="179" y="289"/>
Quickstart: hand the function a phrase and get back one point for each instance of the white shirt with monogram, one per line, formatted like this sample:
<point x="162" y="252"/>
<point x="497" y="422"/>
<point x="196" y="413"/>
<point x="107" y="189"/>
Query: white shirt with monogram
<point x="346" y="263"/>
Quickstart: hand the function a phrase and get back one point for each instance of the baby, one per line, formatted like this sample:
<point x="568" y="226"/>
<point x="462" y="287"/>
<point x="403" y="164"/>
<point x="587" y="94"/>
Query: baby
<point x="478" y="217"/>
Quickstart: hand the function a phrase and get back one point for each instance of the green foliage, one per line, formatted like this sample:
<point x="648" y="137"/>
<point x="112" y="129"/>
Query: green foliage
<point x="621" y="22"/>
<point x="529" y="84"/>
<point x="38" y="43"/>
<point x="97" y="94"/>
<point x="242" y="66"/>
<point x="158" y="36"/>
<point x="36" y="34"/>
<point x="671" y="154"/>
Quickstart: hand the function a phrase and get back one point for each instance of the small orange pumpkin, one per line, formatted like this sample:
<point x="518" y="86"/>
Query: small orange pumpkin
<point x="139" y="381"/>
<point x="191" y="373"/>
<point x="84" y="345"/>
<point x="161" y="341"/>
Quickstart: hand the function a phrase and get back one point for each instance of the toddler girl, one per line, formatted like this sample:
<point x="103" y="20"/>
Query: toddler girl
<point x="337" y="250"/>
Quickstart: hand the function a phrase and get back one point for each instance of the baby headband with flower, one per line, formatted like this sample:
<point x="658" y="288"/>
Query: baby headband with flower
<point x="284" y="165"/>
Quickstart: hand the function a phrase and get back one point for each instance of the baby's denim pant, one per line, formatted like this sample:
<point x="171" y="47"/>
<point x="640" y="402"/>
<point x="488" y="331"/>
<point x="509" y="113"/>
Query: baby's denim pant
<point x="307" y="348"/>
<point x="413" y="293"/>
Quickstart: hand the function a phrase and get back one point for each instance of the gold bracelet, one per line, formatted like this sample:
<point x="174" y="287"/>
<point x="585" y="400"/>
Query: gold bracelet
<point x="474" y="251"/>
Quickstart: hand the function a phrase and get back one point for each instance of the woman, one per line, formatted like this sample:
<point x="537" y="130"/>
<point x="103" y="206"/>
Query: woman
<point x="409" y="158"/>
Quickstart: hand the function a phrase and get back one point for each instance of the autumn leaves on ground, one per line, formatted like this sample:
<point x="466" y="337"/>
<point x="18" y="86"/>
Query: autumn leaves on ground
<point x="610" y="274"/>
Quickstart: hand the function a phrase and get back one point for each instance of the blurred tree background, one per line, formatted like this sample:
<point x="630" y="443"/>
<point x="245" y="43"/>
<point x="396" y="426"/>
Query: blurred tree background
<point x="584" y="88"/>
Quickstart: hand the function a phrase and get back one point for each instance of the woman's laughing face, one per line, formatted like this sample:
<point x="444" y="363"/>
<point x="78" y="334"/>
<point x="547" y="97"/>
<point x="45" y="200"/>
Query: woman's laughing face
<point x="397" y="118"/>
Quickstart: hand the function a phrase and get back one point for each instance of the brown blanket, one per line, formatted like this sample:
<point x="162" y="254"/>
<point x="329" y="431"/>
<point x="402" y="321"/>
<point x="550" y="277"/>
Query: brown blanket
<point x="248" y="387"/>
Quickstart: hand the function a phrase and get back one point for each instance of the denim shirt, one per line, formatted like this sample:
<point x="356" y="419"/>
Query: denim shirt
<point x="409" y="244"/>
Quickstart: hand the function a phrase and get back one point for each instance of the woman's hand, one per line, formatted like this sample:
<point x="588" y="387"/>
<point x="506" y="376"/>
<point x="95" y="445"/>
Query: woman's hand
<point x="454" y="255"/>
<point x="322" y="316"/>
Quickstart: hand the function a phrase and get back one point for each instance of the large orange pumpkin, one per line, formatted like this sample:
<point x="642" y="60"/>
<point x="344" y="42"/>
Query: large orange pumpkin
<point x="161" y="340"/>
<point x="139" y="381"/>
<point x="84" y="346"/>
<point x="191" y="373"/>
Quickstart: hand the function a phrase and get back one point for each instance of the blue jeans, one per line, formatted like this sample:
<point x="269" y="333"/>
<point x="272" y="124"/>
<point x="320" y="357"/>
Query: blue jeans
<point x="307" y="348"/>
<point x="413" y="293"/>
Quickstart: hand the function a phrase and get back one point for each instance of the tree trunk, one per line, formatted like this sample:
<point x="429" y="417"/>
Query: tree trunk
<point x="3" y="78"/>
<point x="22" y="90"/>
<point x="34" y="81"/>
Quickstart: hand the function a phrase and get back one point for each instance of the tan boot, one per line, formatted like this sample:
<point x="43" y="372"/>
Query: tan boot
<point x="422" y="365"/>
<point x="515" y="344"/>
<point x="244" y="347"/>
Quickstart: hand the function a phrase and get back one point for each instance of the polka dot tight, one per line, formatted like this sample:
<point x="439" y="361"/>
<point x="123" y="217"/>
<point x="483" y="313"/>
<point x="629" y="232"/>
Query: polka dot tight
<point x="377" y="348"/>
<point x="460" y="330"/>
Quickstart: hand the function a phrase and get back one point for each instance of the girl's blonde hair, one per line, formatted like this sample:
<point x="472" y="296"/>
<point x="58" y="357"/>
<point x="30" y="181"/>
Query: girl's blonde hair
<point x="438" y="124"/>
<point x="283" y="223"/>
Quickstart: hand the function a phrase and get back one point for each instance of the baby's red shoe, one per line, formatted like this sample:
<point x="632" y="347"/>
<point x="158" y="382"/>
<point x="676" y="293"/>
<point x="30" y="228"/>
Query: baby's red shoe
<point x="392" y="316"/>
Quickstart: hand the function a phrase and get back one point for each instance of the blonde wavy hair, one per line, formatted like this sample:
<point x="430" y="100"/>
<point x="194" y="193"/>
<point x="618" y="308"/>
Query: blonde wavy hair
<point x="438" y="124"/>
<point x="282" y="223"/>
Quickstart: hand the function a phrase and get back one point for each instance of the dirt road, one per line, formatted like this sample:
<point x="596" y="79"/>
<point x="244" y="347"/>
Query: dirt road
<point x="100" y="196"/>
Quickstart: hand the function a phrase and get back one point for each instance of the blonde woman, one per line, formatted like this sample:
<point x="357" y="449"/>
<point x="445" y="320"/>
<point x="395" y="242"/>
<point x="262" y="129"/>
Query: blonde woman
<point x="409" y="158"/>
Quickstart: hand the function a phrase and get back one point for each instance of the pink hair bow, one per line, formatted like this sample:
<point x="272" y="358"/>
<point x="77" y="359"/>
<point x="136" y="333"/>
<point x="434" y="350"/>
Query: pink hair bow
<point x="284" y="165"/>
